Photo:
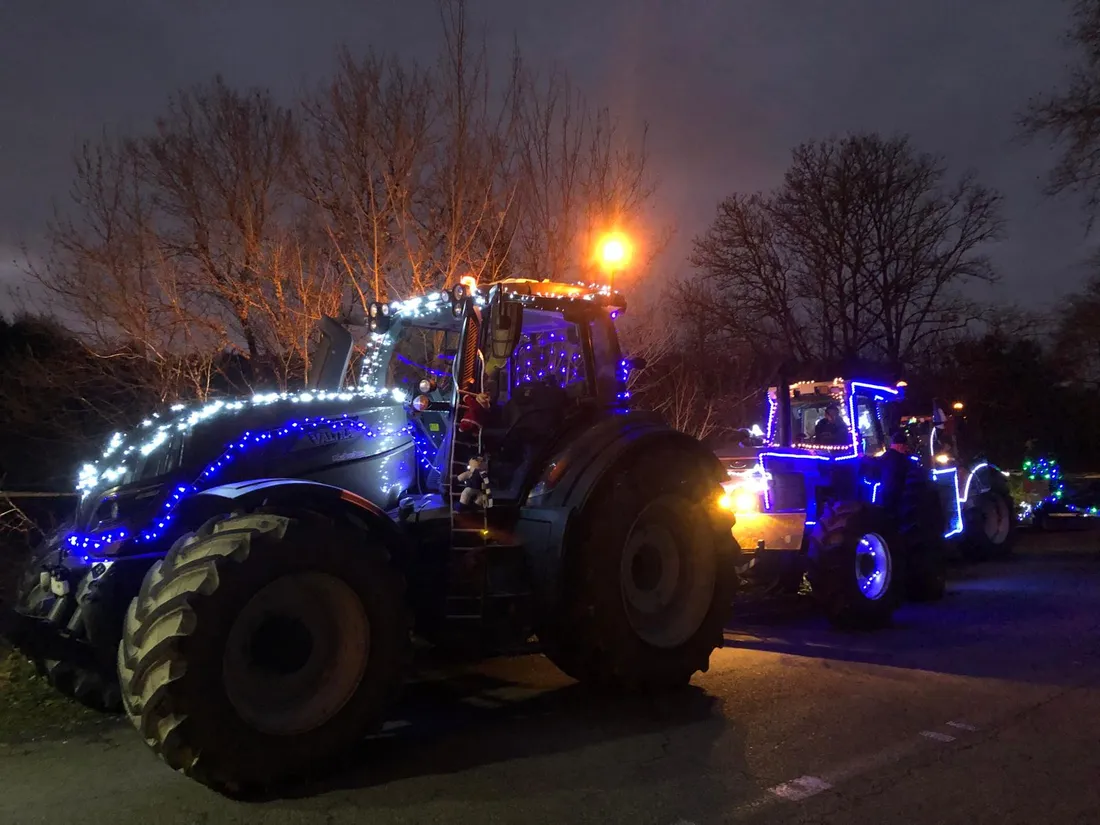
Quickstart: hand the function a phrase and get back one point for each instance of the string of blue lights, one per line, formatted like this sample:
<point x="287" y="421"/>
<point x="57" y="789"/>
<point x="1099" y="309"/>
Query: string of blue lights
<point x="247" y="440"/>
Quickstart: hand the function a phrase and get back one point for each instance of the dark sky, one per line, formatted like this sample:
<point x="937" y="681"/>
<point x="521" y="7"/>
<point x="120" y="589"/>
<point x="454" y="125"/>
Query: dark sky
<point x="728" y="87"/>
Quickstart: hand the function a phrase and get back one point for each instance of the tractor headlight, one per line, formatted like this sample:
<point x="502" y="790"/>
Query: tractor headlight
<point x="743" y="492"/>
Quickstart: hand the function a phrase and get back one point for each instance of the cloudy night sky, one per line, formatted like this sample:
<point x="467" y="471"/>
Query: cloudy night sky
<point x="727" y="86"/>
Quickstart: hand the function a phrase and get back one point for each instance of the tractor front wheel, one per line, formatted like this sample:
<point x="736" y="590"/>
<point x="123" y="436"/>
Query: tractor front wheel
<point x="648" y="581"/>
<point x="262" y="648"/>
<point x="855" y="569"/>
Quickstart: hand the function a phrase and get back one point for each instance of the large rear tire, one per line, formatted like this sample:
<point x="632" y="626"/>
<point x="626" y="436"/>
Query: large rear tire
<point x="855" y="569"/>
<point x="648" y="579"/>
<point x="922" y="527"/>
<point x="263" y="647"/>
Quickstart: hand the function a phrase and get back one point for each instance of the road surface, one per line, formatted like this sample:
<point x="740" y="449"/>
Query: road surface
<point x="984" y="708"/>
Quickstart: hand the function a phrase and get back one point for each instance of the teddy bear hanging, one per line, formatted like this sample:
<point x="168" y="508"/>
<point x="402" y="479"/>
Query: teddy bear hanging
<point x="475" y="480"/>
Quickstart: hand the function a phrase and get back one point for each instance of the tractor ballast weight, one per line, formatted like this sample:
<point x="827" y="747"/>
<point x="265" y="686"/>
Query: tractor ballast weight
<point x="245" y="576"/>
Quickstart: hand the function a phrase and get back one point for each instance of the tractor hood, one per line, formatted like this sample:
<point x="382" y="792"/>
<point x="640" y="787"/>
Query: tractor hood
<point x="275" y="434"/>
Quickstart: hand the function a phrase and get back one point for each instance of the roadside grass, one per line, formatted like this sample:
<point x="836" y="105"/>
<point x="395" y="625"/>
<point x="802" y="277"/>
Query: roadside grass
<point x="30" y="709"/>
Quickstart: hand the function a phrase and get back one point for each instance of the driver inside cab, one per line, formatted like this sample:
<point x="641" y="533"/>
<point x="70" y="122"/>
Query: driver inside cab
<point x="831" y="429"/>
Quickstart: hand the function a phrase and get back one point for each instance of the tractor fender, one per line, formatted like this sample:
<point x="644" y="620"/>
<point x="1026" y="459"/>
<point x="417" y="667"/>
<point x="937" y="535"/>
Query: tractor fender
<point x="574" y="473"/>
<point x="571" y="478"/>
<point x="294" y="493"/>
<point x="981" y="478"/>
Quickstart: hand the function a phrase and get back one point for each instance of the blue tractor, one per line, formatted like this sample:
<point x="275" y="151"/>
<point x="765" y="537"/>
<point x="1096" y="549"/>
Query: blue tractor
<point x="812" y="504"/>
<point x="246" y="577"/>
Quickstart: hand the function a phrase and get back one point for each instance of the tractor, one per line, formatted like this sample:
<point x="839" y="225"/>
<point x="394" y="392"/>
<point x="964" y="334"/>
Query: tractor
<point x="809" y="506"/>
<point x="985" y="522"/>
<point x="247" y="578"/>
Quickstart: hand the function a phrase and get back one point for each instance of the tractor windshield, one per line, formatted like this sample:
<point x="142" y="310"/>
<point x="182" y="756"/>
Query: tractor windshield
<point x="550" y="351"/>
<point x="808" y="411"/>
<point x="869" y="425"/>
<point x="418" y="343"/>
<point x="420" y="353"/>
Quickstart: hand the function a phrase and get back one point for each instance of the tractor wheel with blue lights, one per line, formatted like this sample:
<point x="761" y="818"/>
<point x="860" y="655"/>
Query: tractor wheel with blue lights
<point x="648" y="578"/>
<point x="988" y="527"/>
<point x="855" y="565"/>
<point x="96" y="688"/>
<point x="258" y="652"/>
<point x="922" y="526"/>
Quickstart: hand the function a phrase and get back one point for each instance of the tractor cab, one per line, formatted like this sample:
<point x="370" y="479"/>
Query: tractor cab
<point x="497" y="374"/>
<point x="839" y="416"/>
<point x="496" y="378"/>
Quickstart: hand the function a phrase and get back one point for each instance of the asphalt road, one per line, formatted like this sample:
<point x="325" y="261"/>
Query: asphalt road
<point x="984" y="708"/>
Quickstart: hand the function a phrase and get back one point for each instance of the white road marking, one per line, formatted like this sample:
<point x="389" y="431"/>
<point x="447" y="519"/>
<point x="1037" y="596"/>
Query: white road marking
<point x="939" y="737"/>
<point x="962" y="726"/>
<point x="802" y="788"/>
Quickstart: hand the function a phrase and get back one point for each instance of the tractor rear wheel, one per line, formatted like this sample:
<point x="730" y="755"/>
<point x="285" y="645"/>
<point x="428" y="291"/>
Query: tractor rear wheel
<point x="922" y="528"/>
<point x="262" y="648"/>
<point x="855" y="567"/>
<point x="648" y="580"/>
<point x="988" y="529"/>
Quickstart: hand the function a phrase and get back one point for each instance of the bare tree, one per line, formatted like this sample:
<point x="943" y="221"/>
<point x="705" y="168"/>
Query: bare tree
<point x="859" y="254"/>
<point x="217" y="171"/>
<point x="1070" y="118"/>
<point x="1077" y="334"/>
<point x="105" y="273"/>
<point x="580" y="176"/>
<point x="370" y="144"/>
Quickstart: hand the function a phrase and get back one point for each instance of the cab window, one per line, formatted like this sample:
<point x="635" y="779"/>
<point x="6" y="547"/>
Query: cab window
<point x="868" y="426"/>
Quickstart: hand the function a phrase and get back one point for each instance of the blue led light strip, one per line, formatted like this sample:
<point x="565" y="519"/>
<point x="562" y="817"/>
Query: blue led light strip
<point x="410" y="363"/>
<point x="96" y="541"/>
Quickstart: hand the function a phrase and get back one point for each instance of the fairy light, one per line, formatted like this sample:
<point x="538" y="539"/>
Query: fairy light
<point x="183" y="418"/>
<point x="232" y="451"/>
<point x="94" y="475"/>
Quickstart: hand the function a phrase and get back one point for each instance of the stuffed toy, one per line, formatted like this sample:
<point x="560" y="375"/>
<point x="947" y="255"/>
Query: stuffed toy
<point x="474" y="409"/>
<point x="475" y="480"/>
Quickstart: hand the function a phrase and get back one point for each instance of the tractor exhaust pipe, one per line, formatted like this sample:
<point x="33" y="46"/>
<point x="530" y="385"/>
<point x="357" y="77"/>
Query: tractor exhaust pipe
<point x="783" y="400"/>
<point x="329" y="364"/>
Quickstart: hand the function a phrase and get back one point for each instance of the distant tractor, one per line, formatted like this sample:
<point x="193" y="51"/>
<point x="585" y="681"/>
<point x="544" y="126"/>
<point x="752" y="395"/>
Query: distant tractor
<point x="986" y="521"/>
<point x="257" y="567"/>
<point x="809" y="505"/>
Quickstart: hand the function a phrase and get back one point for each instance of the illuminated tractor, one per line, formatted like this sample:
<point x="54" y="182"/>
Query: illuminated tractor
<point x="808" y="505"/>
<point x="986" y="523"/>
<point x="258" y="568"/>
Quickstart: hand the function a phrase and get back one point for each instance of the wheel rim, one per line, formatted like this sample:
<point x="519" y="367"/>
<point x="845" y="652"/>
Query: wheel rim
<point x="296" y="653"/>
<point x="874" y="567"/>
<point x="668" y="572"/>
<point x="996" y="520"/>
